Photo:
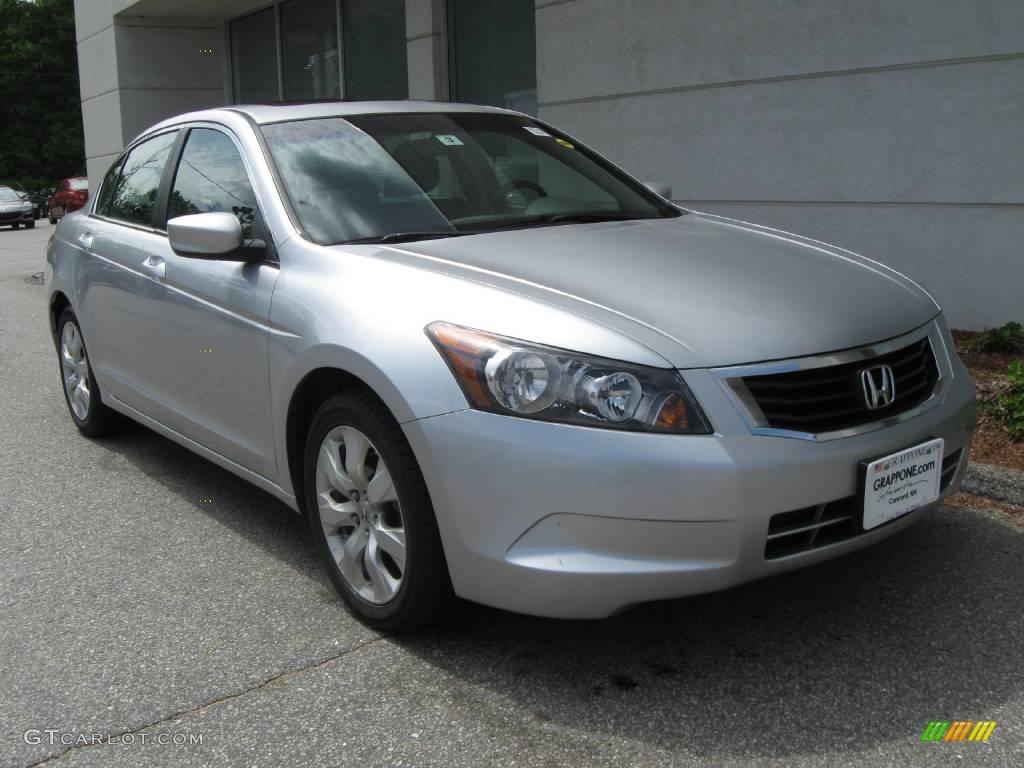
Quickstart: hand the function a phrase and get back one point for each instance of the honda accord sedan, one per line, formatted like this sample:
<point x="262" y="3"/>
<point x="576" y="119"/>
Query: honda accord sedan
<point x="488" y="364"/>
<point x="15" y="209"/>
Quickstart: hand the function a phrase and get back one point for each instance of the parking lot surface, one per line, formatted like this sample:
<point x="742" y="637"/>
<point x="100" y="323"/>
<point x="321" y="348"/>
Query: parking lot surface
<point x="149" y="597"/>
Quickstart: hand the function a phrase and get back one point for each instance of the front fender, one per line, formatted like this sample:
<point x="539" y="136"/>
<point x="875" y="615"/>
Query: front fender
<point x="437" y="394"/>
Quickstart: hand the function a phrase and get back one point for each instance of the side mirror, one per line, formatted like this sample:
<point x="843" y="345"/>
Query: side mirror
<point x="659" y="188"/>
<point x="211" y="236"/>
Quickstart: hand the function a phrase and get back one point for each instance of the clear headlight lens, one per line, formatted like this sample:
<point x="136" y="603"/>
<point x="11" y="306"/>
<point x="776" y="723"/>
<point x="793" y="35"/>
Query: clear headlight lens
<point x="512" y="377"/>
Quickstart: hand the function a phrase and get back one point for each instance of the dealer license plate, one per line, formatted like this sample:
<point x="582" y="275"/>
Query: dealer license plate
<point x="902" y="482"/>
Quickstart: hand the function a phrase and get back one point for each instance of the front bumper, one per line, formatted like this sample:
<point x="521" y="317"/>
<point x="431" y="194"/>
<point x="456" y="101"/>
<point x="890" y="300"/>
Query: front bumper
<point x="572" y="522"/>
<point x="15" y="217"/>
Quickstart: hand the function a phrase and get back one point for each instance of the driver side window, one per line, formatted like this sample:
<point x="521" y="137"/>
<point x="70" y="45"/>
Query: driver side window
<point x="212" y="178"/>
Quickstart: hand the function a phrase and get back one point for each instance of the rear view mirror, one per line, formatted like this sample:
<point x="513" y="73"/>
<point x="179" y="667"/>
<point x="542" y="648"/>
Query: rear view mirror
<point x="659" y="188"/>
<point x="207" y="236"/>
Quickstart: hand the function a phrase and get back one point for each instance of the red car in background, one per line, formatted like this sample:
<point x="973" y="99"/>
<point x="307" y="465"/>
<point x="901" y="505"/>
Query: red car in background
<point x="71" y="195"/>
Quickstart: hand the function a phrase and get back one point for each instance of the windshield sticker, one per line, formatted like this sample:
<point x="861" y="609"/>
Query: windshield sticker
<point x="566" y="144"/>
<point x="448" y="140"/>
<point x="536" y="131"/>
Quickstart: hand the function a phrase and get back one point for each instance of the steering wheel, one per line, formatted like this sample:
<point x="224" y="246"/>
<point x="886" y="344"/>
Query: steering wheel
<point x="505" y="192"/>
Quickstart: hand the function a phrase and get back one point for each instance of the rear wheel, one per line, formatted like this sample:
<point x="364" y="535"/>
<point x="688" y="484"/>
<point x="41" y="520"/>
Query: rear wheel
<point x="81" y="392"/>
<point x="371" y="516"/>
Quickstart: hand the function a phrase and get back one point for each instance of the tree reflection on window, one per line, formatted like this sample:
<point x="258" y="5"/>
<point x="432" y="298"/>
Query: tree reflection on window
<point x="212" y="178"/>
<point x="136" y="190"/>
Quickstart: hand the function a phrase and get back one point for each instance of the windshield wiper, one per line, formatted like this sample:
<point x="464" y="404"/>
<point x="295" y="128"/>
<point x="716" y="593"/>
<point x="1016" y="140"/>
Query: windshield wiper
<point x="583" y="217"/>
<point x="405" y="237"/>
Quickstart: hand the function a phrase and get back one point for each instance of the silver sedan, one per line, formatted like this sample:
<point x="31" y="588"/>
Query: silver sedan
<point x="486" y="363"/>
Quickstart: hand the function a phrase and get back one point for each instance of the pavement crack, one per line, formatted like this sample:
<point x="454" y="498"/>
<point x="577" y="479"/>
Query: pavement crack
<point x="277" y="679"/>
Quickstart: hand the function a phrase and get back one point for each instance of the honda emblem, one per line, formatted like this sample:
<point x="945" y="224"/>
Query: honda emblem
<point x="878" y="385"/>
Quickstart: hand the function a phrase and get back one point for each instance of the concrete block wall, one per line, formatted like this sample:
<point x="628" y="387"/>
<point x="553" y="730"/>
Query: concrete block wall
<point x="139" y="69"/>
<point x="427" y="49"/>
<point x="892" y="129"/>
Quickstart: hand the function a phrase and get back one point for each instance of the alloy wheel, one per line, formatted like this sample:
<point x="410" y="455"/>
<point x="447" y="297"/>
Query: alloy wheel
<point x="75" y="367"/>
<point x="360" y="515"/>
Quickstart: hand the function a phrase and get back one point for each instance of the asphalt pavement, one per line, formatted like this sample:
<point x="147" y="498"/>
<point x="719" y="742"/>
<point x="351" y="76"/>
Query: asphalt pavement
<point x="149" y="600"/>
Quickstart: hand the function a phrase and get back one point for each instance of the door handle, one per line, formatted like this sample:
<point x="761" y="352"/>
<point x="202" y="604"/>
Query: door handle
<point x="155" y="266"/>
<point x="85" y="240"/>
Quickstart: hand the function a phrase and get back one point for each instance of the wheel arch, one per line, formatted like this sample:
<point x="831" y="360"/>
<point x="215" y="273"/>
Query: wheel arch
<point x="313" y="389"/>
<point x="58" y="303"/>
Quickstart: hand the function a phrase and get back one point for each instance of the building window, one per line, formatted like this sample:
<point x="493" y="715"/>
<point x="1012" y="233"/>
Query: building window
<point x="254" y="58"/>
<point x="298" y="40"/>
<point x="375" y="56"/>
<point x="494" y="53"/>
<point x="309" y="44"/>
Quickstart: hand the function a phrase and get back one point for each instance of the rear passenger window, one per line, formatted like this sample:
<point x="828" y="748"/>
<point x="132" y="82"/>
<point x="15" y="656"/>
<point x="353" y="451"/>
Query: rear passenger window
<point x="107" y="188"/>
<point x="212" y="178"/>
<point x="135" y="193"/>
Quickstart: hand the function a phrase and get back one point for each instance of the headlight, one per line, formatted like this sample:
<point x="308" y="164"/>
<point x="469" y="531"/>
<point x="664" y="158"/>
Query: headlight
<point x="511" y="377"/>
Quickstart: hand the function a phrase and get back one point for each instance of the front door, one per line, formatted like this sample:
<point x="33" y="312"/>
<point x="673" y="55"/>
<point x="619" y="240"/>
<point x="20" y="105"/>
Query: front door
<point x="204" y="322"/>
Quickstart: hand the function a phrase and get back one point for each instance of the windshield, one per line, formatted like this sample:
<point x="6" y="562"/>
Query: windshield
<point x="77" y="184"/>
<point x="419" y="175"/>
<point x="8" y="195"/>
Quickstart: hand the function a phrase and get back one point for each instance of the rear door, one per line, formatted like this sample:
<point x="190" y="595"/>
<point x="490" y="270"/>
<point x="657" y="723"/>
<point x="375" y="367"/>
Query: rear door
<point x="113" y="243"/>
<point x="204" y="321"/>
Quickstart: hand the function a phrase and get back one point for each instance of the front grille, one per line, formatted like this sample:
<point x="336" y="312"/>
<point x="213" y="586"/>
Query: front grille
<point x="10" y="215"/>
<point x="818" y="400"/>
<point x="801" y="530"/>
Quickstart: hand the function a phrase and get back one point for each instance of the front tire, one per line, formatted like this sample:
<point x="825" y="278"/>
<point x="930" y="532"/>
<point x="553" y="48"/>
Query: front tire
<point x="30" y="225"/>
<point x="81" y="393"/>
<point x="371" y="516"/>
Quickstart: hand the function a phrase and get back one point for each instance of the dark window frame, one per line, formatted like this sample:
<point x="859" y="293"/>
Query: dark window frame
<point x="276" y="6"/>
<point x="229" y="46"/>
<point x="452" y="62"/>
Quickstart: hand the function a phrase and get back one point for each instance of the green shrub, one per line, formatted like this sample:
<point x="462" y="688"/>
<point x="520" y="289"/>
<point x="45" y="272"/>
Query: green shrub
<point x="1006" y="340"/>
<point x="1011" y="402"/>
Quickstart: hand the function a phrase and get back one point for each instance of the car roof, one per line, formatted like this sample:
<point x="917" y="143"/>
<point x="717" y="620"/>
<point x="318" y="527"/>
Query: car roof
<point x="264" y="114"/>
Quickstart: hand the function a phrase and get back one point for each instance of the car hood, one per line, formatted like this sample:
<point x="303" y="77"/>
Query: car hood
<point x="720" y="292"/>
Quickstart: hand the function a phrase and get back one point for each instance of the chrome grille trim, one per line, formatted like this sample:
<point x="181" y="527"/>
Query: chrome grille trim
<point x="731" y="378"/>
